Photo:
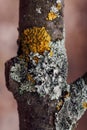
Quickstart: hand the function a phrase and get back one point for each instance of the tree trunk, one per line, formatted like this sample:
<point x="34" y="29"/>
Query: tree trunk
<point x="40" y="35"/>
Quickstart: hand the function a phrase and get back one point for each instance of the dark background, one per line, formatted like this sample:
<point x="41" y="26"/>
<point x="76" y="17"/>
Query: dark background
<point x="8" y="48"/>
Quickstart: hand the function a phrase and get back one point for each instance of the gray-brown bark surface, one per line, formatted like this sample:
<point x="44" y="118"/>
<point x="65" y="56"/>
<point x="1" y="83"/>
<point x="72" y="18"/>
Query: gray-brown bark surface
<point x="45" y="100"/>
<point x="29" y="17"/>
<point x="35" y="112"/>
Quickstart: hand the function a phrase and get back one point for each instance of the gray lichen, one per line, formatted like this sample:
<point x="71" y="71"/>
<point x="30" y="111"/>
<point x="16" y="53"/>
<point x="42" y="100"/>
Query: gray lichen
<point x="49" y="74"/>
<point x="50" y="79"/>
<point x="72" y="109"/>
<point x="47" y="77"/>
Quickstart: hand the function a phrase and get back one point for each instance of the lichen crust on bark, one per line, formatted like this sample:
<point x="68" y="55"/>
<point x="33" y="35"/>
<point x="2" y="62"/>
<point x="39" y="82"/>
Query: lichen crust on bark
<point x="37" y="75"/>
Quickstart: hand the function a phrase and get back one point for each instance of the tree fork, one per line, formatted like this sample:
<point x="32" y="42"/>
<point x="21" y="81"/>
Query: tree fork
<point x="31" y="76"/>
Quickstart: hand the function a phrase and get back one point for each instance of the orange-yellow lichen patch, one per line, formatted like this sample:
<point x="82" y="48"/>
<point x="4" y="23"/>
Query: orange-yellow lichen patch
<point x="51" y="16"/>
<point x="67" y="95"/>
<point x="30" y="78"/>
<point x="59" y="105"/>
<point x="84" y="105"/>
<point x="35" y="40"/>
<point x="51" y="53"/>
<point x="36" y="59"/>
<point x="59" y="6"/>
<point x="24" y="57"/>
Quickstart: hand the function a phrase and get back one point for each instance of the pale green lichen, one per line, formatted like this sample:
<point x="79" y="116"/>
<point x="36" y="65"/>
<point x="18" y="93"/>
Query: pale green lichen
<point x="14" y="72"/>
<point x="41" y="75"/>
<point x="46" y="73"/>
<point x="47" y="76"/>
<point x="38" y="10"/>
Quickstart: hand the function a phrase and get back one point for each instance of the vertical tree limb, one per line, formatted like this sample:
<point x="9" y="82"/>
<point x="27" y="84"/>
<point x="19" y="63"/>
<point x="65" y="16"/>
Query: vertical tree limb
<point x="37" y="76"/>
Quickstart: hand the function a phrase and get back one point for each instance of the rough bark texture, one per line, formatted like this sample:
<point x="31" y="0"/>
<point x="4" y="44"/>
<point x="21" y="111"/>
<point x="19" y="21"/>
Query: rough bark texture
<point x="33" y="13"/>
<point x="44" y="98"/>
<point x="39" y="115"/>
<point x="35" y="112"/>
<point x="30" y="17"/>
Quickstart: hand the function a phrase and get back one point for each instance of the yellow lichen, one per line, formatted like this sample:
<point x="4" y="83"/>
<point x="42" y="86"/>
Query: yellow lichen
<point x="35" y="58"/>
<point x="25" y="57"/>
<point x="59" y="6"/>
<point x="51" y="16"/>
<point x="35" y="40"/>
<point x="67" y="95"/>
<point x="84" y="105"/>
<point x="30" y="78"/>
<point x="51" y="53"/>
<point x="59" y="105"/>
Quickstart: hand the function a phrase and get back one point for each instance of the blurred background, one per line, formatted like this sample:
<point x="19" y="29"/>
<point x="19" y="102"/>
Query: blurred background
<point x="8" y="48"/>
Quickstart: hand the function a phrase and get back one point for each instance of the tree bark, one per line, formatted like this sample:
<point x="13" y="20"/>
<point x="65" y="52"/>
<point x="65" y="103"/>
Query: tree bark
<point x="41" y="23"/>
<point x="35" y="112"/>
<point x="34" y="13"/>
